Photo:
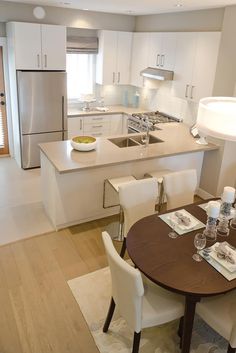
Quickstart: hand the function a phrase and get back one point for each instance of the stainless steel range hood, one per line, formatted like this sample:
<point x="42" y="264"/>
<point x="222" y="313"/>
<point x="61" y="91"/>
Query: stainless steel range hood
<point x="157" y="74"/>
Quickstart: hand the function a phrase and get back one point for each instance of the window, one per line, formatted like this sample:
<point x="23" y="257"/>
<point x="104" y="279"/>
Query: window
<point x="80" y="75"/>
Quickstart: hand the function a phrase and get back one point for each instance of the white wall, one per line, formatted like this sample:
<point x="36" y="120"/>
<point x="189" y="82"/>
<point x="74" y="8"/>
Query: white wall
<point x="10" y="11"/>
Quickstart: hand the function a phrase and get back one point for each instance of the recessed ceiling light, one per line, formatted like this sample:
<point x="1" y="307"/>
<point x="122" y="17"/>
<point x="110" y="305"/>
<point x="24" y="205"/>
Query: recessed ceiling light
<point x="129" y="11"/>
<point x="178" y="5"/>
<point x="85" y="9"/>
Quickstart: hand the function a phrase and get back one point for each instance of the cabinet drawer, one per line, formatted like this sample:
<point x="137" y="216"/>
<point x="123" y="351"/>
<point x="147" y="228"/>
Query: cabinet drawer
<point x="97" y="127"/>
<point x="98" y="133"/>
<point x="94" y="119"/>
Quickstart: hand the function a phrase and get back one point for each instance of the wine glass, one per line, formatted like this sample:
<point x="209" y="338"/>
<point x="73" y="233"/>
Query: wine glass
<point x="199" y="243"/>
<point x="172" y="234"/>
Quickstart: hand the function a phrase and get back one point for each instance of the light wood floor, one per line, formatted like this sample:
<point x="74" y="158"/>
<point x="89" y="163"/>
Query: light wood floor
<point x="38" y="312"/>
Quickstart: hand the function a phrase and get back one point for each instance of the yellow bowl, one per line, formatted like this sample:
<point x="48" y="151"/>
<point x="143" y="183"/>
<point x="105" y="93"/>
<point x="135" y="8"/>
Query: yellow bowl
<point x="83" y="143"/>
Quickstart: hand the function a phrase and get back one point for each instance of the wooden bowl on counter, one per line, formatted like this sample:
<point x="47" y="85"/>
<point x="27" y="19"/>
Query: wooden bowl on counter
<point x="83" y="143"/>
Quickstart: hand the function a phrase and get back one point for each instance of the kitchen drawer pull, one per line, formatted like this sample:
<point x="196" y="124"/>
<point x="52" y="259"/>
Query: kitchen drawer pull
<point x="97" y="134"/>
<point x="191" y="95"/>
<point x="157" y="61"/>
<point x="118" y="77"/>
<point x="100" y="118"/>
<point x="186" y="91"/>
<point x="80" y="124"/>
<point x="113" y="77"/>
<point x="97" y="126"/>
<point x="45" y="60"/>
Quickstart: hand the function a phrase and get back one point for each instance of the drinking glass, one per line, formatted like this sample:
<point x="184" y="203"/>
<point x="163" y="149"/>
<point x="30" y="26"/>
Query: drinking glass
<point x="172" y="234"/>
<point x="199" y="243"/>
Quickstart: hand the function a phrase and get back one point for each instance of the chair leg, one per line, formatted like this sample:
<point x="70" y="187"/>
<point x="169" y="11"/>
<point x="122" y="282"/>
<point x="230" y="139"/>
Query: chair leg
<point x="180" y="331"/>
<point x="109" y="315"/>
<point x="230" y="349"/>
<point x="136" y="342"/>
<point x="123" y="249"/>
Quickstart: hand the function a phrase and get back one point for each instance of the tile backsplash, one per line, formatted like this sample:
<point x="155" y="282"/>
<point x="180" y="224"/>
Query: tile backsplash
<point x="154" y="96"/>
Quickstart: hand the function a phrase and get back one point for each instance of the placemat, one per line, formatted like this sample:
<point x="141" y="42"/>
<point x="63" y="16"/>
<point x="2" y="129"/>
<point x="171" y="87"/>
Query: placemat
<point x="167" y="219"/>
<point x="214" y="263"/>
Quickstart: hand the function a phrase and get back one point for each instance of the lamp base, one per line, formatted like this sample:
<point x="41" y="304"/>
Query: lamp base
<point x="202" y="141"/>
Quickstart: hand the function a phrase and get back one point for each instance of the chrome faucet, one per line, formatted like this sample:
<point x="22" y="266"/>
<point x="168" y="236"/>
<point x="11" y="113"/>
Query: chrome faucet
<point x="145" y="138"/>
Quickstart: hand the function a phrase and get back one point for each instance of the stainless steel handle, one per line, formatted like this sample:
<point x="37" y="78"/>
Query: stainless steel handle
<point x="186" y="91"/>
<point x="162" y="60"/>
<point x="38" y="60"/>
<point x="100" y="118"/>
<point x="118" y="77"/>
<point x="157" y="60"/>
<point x="96" y="126"/>
<point x="191" y="94"/>
<point x="114" y="76"/>
<point x="63" y="112"/>
<point x="45" y="60"/>
<point x="97" y="134"/>
<point x="80" y="124"/>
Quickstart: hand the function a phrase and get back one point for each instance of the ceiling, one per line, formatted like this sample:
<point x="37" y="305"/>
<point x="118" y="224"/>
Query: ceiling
<point x="133" y="7"/>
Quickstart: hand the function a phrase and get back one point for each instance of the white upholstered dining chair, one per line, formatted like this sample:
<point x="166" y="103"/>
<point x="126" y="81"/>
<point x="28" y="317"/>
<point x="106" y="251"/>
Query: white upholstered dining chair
<point x="220" y="313"/>
<point x="180" y="187"/>
<point x="137" y="199"/>
<point x="141" y="304"/>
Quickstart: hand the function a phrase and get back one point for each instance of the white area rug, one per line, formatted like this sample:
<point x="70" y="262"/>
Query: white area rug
<point x="92" y="293"/>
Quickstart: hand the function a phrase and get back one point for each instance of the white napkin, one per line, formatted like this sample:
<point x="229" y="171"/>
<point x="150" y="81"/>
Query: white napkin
<point x="174" y="219"/>
<point x="230" y="267"/>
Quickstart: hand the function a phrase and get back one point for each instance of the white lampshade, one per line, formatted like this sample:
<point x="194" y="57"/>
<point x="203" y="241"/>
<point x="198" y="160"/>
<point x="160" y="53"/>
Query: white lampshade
<point x="217" y="117"/>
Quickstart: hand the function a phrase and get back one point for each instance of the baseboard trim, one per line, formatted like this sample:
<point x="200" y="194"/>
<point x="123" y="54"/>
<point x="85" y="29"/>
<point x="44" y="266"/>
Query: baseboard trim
<point x="204" y="194"/>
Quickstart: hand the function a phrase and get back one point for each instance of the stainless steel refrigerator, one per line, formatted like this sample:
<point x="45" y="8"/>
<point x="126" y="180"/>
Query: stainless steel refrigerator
<point x="42" y="112"/>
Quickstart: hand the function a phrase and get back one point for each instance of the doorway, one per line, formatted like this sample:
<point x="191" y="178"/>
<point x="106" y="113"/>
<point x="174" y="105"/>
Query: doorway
<point x="4" y="145"/>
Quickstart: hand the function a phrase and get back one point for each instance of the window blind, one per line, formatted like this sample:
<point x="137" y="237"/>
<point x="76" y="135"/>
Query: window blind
<point x="86" y="45"/>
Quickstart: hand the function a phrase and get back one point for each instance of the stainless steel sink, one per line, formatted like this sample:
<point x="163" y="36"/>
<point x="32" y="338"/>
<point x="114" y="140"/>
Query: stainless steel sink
<point x="133" y="140"/>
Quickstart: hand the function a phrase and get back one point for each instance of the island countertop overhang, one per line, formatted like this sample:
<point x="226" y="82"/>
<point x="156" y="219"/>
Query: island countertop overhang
<point x="176" y="140"/>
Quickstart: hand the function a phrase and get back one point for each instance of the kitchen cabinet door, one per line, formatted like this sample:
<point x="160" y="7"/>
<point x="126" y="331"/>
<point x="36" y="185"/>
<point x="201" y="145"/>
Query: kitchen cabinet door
<point x="124" y="47"/>
<point x="53" y="47"/>
<point x="154" y="49"/>
<point x="139" y="59"/>
<point x="106" y="58"/>
<point x="27" y="44"/>
<point x="184" y="62"/>
<point x="116" y="124"/>
<point x="168" y="51"/>
<point x="75" y="126"/>
<point x="205" y="64"/>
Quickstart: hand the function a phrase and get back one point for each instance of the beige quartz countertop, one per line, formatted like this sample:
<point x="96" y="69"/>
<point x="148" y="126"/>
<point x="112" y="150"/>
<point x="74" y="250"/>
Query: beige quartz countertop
<point x="114" y="109"/>
<point x="176" y="137"/>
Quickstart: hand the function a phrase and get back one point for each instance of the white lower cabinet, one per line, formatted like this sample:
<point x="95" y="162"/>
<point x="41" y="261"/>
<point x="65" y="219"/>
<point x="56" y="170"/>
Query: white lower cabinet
<point x="97" y="125"/>
<point x="75" y="126"/>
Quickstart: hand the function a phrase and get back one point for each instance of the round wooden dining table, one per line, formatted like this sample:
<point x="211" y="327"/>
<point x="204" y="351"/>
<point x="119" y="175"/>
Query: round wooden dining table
<point x="168" y="263"/>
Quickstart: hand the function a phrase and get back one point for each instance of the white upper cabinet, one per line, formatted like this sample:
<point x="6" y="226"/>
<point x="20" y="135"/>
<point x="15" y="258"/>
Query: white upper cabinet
<point x="162" y="50"/>
<point x="53" y="47"/>
<point x="36" y="46"/>
<point x="195" y="64"/>
<point x="205" y="64"/>
<point x="139" y="60"/>
<point x="113" y="59"/>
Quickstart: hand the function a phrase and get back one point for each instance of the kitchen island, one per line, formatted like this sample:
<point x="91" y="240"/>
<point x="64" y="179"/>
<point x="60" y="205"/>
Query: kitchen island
<point x="73" y="181"/>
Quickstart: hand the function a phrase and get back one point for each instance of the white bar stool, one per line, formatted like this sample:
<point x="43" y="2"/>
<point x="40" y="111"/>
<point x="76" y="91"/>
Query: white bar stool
<point x="159" y="174"/>
<point x="114" y="183"/>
